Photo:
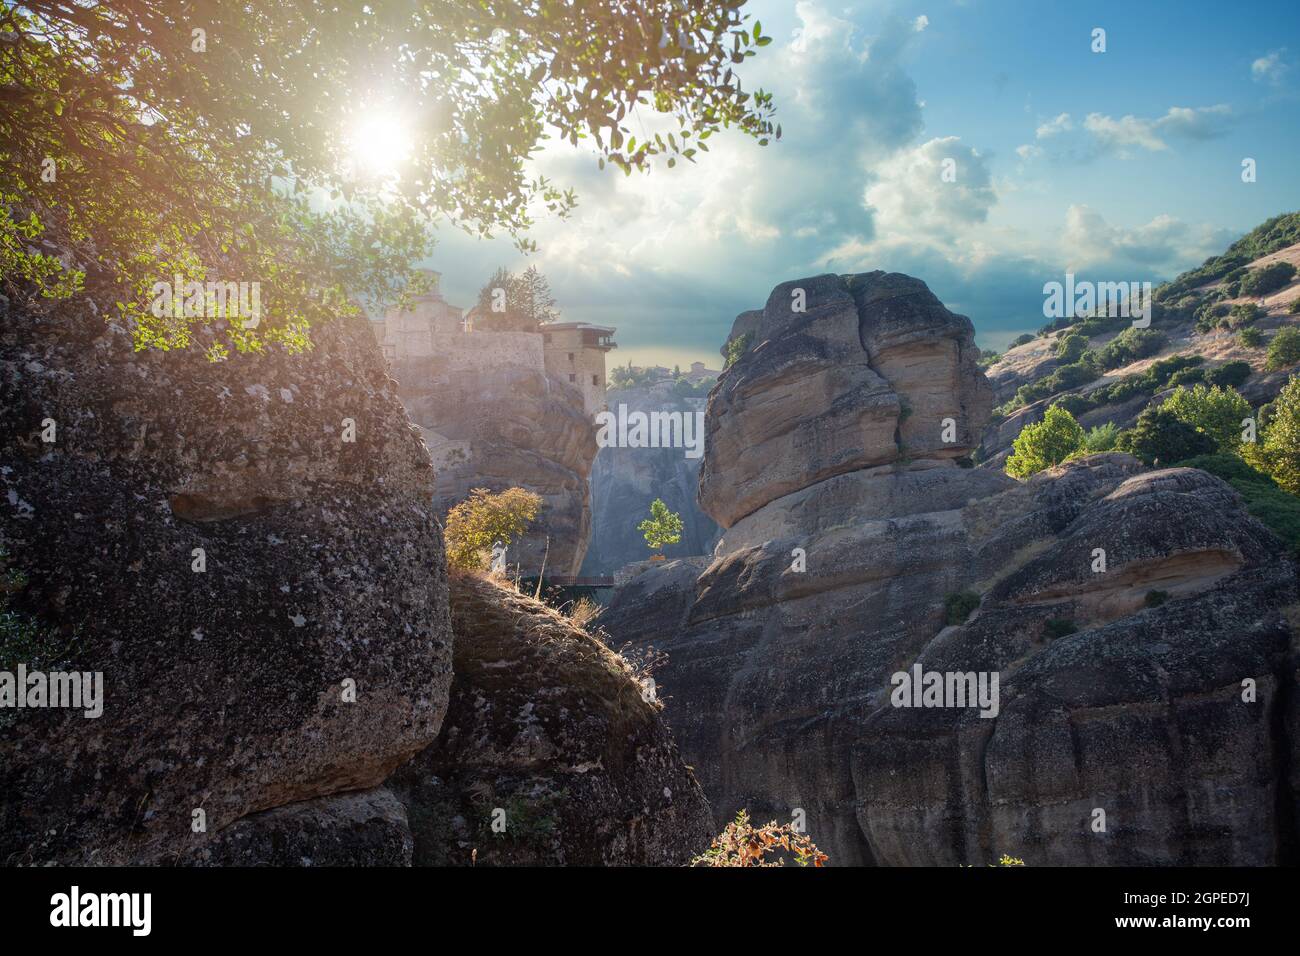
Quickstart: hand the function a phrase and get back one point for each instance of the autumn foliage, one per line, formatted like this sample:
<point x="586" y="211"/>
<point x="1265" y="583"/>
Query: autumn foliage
<point x="742" y="844"/>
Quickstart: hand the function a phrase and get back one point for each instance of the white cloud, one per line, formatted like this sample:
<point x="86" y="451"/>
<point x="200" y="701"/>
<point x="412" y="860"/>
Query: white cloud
<point x="1270" y="68"/>
<point x="913" y="199"/>
<point x="920" y="23"/>
<point x="1100" y="133"/>
<point x="1029" y="151"/>
<point x="1126" y="131"/>
<point x="1054" y="126"/>
<point x="1163" y="246"/>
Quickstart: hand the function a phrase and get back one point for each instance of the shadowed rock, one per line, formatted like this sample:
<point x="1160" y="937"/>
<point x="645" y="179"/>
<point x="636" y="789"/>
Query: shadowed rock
<point x="223" y="687"/>
<point x="549" y="735"/>
<point x="368" y="828"/>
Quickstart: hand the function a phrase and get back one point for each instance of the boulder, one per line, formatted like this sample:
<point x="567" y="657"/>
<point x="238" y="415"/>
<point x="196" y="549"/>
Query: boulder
<point x="873" y="371"/>
<point x="553" y="752"/>
<point x="366" y="828"/>
<point x="235" y="546"/>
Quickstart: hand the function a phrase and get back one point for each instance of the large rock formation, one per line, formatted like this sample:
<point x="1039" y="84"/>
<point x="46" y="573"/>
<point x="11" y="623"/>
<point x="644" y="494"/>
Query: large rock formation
<point x="502" y="426"/>
<point x="552" y="753"/>
<point x="234" y="545"/>
<point x="851" y="523"/>
<point x="625" y="480"/>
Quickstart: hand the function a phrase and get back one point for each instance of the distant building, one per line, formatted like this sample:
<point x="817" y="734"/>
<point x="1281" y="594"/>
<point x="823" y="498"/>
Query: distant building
<point x="411" y="332"/>
<point x="433" y="336"/>
<point x="575" y="353"/>
<point x="699" y="373"/>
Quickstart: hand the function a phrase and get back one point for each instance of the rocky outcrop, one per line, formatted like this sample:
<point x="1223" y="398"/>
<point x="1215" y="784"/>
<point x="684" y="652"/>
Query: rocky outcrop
<point x="236" y="546"/>
<point x="366" y="828"/>
<point x="504" y="426"/>
<point x="873" y="371"/>
<point x="552" y="753"/>
<point x="625" y="480"/>
<point x="839" y="568"/>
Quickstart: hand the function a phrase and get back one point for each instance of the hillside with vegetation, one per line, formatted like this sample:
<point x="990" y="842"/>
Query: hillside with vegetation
<point x="1206" y="382"/>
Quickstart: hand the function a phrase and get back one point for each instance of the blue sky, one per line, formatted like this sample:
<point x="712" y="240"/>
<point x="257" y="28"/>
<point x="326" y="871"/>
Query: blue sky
<point x="1123" y="165"/>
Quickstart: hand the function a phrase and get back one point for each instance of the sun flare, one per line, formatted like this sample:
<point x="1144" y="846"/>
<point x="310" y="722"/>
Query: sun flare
<point x="378" y="144"/>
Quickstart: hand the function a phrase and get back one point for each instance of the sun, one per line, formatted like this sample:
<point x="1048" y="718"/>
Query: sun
<point x="377" y="145"/>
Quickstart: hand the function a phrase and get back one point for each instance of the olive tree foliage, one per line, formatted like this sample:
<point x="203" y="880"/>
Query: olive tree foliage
<point x="209" y="139"/>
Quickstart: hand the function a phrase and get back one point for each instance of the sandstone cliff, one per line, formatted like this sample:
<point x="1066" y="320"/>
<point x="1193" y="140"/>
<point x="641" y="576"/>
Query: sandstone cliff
<point x="504" y="426"/>
<point x="850" y="523"/>
<point x="207" y="536"/>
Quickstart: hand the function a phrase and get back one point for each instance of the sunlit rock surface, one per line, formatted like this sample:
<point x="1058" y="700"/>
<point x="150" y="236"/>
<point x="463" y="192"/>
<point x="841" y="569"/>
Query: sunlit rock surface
<point x="1119" y="690"/>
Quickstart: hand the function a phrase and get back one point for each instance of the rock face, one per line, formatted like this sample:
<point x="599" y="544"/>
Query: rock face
<point x="549" y="734"/>
<point x="625" y="480"/>
<point x="849" y="528"/>
<point x="865" y="376"/>
<point x="367" y="828"/>
<point x="505" y="426"/>
<point x="228" y="543"/>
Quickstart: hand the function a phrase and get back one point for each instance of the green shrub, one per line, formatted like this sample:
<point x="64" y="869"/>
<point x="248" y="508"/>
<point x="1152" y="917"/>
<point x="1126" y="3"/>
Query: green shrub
<point x="1100" y="438"/>
<point x="1025" y="339"/>
<point x="959" y="606"/>
<point x="1103" y="324"/>
<point x="1250" y="337"/>
<point x="1229" y="375"/>
<point x="1129" y="346"/>
<point x="1072" y="376"/>
<point x="1295" y="306"/>
<point x="1074" y="404"/>
<point x="1159" y="436"/>
<point x="1284" y="350"/>
<point x="1044" y="444"/>
<point x="736" y="348"/>
<point x="1277" y="451"/>
<point x="1243" y="314"/>
<point x="1268" y="279"/>
<point x="1070" y="348"/>
<point x="1158" y="375"/>
<point x="1186" y="376"/>
<point x="1216" y="411"/>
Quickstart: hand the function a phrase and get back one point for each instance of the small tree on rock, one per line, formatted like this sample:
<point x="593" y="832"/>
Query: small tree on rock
<point x="662" y="527"/>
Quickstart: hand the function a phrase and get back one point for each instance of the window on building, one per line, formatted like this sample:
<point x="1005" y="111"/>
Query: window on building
<point x="547" y="338"/>
<point x="570" y="356"/>
<point x="595" y="380"/>
<point x="572" y="377"/>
